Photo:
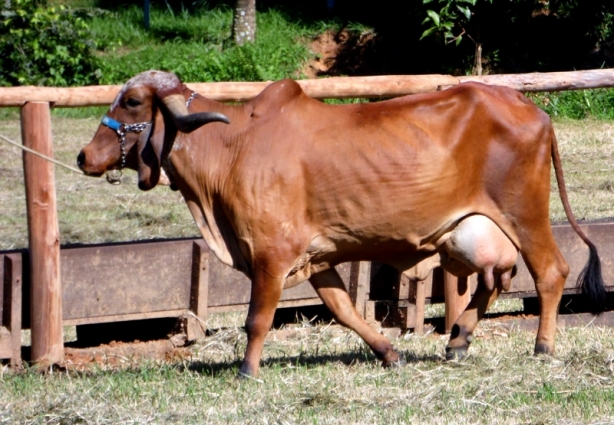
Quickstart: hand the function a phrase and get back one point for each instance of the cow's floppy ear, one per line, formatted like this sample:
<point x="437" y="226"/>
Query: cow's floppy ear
<point x="149" y="148"/>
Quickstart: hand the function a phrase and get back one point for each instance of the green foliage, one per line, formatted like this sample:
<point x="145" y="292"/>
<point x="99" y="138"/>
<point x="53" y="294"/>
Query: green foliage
<point x="577" y="104"/>
<point x="196" y="46"/>
<point x="450" y="14"/>
<point x="527" y="35"/>
<point x="42" y="45"/>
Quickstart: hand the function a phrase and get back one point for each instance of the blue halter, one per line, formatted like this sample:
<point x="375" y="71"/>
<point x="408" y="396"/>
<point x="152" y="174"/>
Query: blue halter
<point x="122" y="129"/>
<point x="111" y="123"/>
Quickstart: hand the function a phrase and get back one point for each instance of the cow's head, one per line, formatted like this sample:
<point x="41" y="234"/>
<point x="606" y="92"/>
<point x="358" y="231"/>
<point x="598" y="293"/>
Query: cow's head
<point x="140" y="127"/>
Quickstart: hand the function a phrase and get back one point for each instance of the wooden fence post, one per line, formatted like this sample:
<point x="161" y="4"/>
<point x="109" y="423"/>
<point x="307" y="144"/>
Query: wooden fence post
<point x="43" y="236"/>
<point x="457" y="296"/>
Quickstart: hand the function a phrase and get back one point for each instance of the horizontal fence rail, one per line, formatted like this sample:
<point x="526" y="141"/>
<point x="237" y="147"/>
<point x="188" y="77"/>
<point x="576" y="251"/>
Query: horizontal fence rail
<point x="325" y="88"/>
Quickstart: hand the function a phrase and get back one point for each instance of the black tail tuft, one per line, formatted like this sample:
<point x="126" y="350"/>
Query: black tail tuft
<point x="591" y="281"/>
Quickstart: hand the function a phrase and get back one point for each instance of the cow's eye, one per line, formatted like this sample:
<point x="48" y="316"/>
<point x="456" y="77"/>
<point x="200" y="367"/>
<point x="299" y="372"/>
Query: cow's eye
<point x="132" y="102"/>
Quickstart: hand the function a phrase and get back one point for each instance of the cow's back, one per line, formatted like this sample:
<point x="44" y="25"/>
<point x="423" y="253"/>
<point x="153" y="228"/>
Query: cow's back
<point x="400" y="172"/>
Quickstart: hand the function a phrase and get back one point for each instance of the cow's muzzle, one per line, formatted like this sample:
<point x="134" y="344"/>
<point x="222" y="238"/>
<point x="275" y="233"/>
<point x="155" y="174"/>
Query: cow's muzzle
<point x="81" y="160"/>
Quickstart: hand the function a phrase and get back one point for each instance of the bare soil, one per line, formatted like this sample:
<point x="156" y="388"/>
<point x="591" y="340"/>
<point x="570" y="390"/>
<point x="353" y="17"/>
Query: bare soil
<point x="342" y="53"/>
<point x="123" y="355"/>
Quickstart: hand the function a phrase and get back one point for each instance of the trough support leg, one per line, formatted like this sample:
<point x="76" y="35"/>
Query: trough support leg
<point x="457" y="297"/>
<point x="360" y="279"/>
<point x="199" y="299"/>
<point x="12" y="305"/>
<point x="44" y="237"/>
<point x="418" y="298"/>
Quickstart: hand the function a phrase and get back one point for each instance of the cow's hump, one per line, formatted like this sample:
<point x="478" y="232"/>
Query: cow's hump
<point x="276" y="95"/>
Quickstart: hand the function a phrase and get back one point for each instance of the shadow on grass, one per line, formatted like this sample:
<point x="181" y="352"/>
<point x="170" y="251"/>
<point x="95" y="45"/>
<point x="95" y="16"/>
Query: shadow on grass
<point x="307" y="361"/>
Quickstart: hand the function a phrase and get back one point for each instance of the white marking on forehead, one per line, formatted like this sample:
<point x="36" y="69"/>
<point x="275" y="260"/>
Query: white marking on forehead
<point x="158" y="79"/>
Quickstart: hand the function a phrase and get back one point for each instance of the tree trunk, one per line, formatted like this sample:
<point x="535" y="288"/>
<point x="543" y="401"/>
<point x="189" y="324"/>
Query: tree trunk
<point x="244" y="22"/>
<point x="477" y="70"/>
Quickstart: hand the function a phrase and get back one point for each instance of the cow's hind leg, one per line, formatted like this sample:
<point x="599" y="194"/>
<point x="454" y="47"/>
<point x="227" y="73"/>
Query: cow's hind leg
<point x="462" y="331"/>
<point x="330" y="288"/>
<point x="549" y="270"/>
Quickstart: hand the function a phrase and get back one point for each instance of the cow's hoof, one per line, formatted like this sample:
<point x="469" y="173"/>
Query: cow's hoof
<point x="241" y="377"/>
<point x="400" y="362"/>
<point x="246" y="372"/>
<point x="456" y="353"/>
<point x="542" y="349"/>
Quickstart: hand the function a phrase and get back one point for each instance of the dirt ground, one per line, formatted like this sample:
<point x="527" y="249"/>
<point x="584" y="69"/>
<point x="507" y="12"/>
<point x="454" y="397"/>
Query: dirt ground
<point x="122" y="355"/>
<point x="341" y="53"/>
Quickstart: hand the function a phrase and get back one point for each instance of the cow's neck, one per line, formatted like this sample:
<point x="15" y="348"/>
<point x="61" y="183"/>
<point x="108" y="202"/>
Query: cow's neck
<point x="200" y="163"/>
<point x="213" y="148"/>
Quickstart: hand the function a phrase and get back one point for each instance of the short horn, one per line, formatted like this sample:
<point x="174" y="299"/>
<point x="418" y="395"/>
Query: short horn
<point x="186" y="122"/>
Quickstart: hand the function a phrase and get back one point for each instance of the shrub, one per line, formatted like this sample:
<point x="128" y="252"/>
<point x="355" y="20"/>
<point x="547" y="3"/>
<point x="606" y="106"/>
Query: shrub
<point x="577" y="104"/>
<point x="48" y="46"/>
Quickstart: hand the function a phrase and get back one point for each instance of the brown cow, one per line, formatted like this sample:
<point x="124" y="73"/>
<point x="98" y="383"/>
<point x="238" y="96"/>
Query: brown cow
<point x="293" y="186"/>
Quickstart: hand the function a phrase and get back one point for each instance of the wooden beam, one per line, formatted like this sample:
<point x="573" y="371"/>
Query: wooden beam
<point x="549" y="81"/>
<point x="126" y="317"/>
<point x="323" y="88"/>
<point x="43" y="235"/>
<point x="59" y="96"/>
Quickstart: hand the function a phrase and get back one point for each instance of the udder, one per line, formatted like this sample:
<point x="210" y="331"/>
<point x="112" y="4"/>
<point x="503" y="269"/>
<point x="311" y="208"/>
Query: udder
<point x="478" y="245"/>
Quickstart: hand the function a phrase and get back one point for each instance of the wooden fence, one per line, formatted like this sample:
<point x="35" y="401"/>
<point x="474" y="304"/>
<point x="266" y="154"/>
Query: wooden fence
<point x="73" y="293"/>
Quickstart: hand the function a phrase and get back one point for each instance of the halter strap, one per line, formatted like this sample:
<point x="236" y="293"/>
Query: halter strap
<point x="121" y="129"/>
<point x="111" y="123"/>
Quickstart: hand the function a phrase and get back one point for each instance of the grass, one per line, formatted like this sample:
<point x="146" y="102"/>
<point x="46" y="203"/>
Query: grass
<point x="197" y="45"/>
<point x="324" y="374"/>
<point x="586" y="148"/>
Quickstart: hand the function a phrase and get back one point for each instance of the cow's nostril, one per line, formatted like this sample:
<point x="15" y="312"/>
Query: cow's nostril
<point x="81" y="159"/>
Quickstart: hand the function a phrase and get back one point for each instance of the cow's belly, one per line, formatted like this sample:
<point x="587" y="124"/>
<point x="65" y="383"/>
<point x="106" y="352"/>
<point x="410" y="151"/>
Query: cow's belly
<point x="324" y="253"/>
<point x="474" y="244"/>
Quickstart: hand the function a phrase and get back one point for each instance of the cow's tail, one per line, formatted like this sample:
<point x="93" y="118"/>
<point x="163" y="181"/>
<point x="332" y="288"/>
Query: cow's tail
<point x="590" y="278"/>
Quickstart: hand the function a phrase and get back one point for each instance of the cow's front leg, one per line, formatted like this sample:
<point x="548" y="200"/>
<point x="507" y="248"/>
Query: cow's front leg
<point x="266" y="292"/>
<point x="462" y="331"/>
<point x="330" y="288"/>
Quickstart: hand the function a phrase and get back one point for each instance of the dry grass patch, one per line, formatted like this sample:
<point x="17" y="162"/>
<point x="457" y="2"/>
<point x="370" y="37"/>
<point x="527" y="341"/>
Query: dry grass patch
<point x="587" y="152"/>
<point x="324" y="374"/>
